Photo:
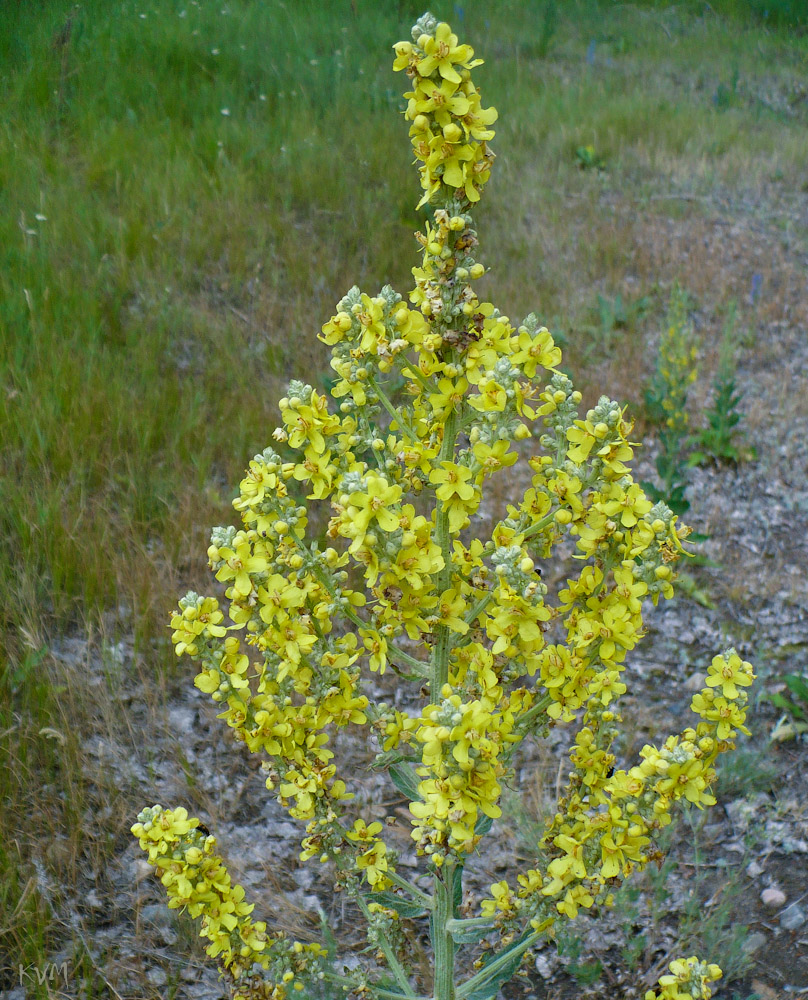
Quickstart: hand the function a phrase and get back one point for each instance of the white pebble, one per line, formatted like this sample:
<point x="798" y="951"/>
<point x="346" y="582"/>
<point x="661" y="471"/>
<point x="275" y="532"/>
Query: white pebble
<point x="773" y="898"/>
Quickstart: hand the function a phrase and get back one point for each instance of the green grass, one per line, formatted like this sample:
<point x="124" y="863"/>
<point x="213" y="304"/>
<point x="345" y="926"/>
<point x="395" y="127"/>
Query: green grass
<point x="146" y="319"/>
<point x="165" y="266"/>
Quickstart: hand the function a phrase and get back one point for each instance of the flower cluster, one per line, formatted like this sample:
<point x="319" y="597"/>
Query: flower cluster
<point x="689" y="979"/>
<point x="196" y="879"/>
<point x="606" y="822"/>
<point x="666" y="397"/>
<point x="433" y="397"/>
<point x="450" y="127"/>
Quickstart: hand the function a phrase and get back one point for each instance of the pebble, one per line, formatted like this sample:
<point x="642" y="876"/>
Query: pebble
<point x="157" y="977"/>
<point x="754" y="942"/>
<point x="695" y="682"/>
<point x="157" y="914"/>
<point x="773" y="898"/>
<point x="792" y="918"/>
<point x="753" y="869"/>
<point x="142" y="870"/>
<point x="543" y="966"/>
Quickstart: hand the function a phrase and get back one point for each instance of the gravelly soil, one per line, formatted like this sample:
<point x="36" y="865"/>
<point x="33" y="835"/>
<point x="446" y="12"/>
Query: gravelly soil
<point x="709" y="892"/>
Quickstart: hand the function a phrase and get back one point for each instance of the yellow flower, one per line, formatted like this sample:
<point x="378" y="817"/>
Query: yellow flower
<point x="442" y="52"/>
<point x="729" y="671"/>
<point x="454" y="490"/>
<point x="373" y="505"/>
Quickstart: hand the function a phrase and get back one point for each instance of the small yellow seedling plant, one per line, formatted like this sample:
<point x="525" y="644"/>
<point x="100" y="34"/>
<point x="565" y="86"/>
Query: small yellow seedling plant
<point x="432" y="393"/>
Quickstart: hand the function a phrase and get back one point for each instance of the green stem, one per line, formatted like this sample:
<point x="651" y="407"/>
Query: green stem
<point x="442" y="940"/>
<point x="478" y="608"/>
<point x="485" y="974"/>
<point x="464" y="925"/>
<point x="534" y="529"/>
<point x="524" y="720"/>
<point x="389" y="953"/>
<point x="410" y="369"/>
<point x="387" y="404"/>
<point x="333" y="977"/>
<point x="415" y="892"/>
<point x="404" y="658"/>
<point x="440" y="651"/>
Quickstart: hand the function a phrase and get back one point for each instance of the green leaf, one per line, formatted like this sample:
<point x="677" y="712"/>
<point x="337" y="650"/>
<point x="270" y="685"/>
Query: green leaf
<point x="483" y="825"/>
<point x="403" y="907"/>
<point x="388" y="757"/>
<point x="797" y="686"/>
<point x="779" y="701"/>
<point x="457" y="887"/>
<point x="470" y="934"/>
<point x="405" y="780"/>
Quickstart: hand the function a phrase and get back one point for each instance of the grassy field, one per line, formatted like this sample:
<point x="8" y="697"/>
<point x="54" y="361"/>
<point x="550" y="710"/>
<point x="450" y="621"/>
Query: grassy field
<point x="187" y="188"/>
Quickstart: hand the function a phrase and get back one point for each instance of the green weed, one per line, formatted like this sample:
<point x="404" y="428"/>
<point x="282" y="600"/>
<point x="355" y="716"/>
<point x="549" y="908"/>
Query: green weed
<point x="794" y="705"/>
<point x="719" y="440"/>
<point x="666" y="403"/>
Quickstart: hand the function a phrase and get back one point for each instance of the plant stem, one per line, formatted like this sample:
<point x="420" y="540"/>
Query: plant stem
<point x="395" y="415"/>
<point x="463" y="925"/>
<point x="416" y="893"/>
<point x="333" y="977"/>
<point x="389" y="952"/>
<point x="440" y="651"/>
<point x="478" y="608"/>
<point x="442" y="940"/>
<point x="485" y="973"/>
<point x="539" y="526"/>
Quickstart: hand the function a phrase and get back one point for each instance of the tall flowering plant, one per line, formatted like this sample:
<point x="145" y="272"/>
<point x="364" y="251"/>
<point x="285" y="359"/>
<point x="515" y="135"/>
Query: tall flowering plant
<point x="431" y="394"/>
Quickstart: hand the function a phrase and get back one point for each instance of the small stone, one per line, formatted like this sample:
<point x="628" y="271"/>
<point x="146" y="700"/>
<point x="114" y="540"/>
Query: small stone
<point x="754" y="943"/>
<point x="792" y="918"/>
<point x="753" y="869"/>
<point x="168" y="936"/>
<point x="142" y="870"/>
<point x="157" y="914"/>
<point x="543" y="966"/>
<point x="157" y="977"/>
<point x="189" y="974"/>
<point x="695" y="682"/>
<point x="773" y="899"/>
<point x="92" y="900"/>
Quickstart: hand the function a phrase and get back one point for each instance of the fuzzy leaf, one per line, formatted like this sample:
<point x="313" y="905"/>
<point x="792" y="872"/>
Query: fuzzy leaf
<point x="797" y="686"/>
<point x="470" y="935"/>
<point x="483" y="825"/>
<point x="405" y="780"/>
<point x="403" y="907"/>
